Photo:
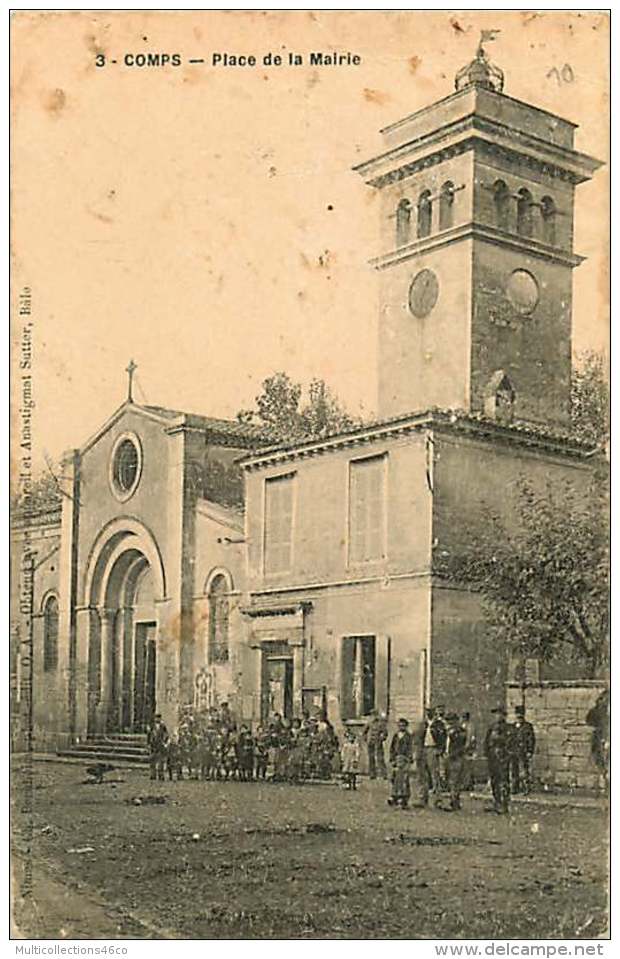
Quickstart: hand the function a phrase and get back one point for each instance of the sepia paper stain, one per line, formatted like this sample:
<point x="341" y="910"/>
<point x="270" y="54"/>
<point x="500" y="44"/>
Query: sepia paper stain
<point x="98" y="216"/>
<point x="414" y="63"/>
<point x="55" y="101"/>
<point x="456" y="26"/>
<point x="376" y="96"/>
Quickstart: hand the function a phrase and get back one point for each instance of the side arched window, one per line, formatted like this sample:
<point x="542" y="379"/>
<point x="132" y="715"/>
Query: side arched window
<point x="403" y="222"/>
<point x="446" y="206"/>
<point x="501" y="200"/>
<point x="218" y="620"/>
<point x="524" y="212"/>
<point x="425" y="213"/>
<point x="547" y="212"/>
<point x="50" y="634"/>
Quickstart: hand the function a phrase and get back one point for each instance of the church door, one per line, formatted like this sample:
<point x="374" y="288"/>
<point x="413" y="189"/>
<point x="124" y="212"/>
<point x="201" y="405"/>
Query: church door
<point x="144" y="676"/>
<point x="278" y="687"/>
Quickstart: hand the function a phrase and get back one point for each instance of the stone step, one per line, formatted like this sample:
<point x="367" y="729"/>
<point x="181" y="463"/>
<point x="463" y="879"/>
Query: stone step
<point x="95" y="748"/>
<point x="117" y="740"/>
<point x="81" y="754"/>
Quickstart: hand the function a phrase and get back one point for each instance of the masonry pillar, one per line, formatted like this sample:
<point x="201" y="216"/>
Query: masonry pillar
<point x="68" y="566"/>
<point x="106" y="696"/>
<point x="86" y="627"/>
<point x="125" y="682"/>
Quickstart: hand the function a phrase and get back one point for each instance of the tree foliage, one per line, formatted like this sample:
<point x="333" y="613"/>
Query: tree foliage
<point x="45" y="496"/>
<point x="590" y="399"/>
<point x="544" y="579"/>
<point x="289" y="414"/>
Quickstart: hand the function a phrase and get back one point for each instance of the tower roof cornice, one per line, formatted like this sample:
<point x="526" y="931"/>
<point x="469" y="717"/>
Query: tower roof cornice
<point x="466" y="131"/>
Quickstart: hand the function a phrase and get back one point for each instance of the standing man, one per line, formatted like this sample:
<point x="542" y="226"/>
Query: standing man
<point x="470" y="750"/>
<point x="497" y="752"/>
<point x="599" y="719"/>
<point x="456" y="742"/>
<point x="434" y="745"/>
<point x="523" y="746"/>
<point x="440" y="718"/>
<point x="375" y="734"/>
<point x="158" y="743"/>
<point x="401" y="756"/>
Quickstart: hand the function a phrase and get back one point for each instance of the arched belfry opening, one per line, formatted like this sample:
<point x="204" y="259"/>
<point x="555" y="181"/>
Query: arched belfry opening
<point x="124" y="583"/>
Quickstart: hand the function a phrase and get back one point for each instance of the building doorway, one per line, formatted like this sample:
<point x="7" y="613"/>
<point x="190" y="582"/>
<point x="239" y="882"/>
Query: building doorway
<point x="144" y="676"/>
<point x="277" y="689"/>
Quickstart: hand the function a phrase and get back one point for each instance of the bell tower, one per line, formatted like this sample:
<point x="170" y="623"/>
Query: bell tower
<point x="476" y="240"/>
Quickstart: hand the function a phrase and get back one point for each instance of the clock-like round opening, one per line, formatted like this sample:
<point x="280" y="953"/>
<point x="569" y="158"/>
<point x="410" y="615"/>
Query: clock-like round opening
<point x="125" y="466"/>
<point x="522" y="291"/>
<point x="423" y="293"/>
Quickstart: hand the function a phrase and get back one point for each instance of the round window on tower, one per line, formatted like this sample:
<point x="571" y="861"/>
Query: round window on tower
<point x="522" y="291"/>
<point x="125" y="466"/>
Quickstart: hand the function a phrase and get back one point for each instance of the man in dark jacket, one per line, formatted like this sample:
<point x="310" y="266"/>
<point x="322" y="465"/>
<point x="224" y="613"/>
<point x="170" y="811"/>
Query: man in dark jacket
<point x="497" y="752"/>
<point x="401" y="756"/>
<point x="599" y="719"/>
<point x="434" y="746"/>
<point x="375" y="734"/>
<point x="522" y="746"/>
<point x="456" y="744"/>
<point x="158" y="743"/>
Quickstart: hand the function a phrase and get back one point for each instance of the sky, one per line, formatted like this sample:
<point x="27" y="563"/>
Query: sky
<point x="206" y="222"/>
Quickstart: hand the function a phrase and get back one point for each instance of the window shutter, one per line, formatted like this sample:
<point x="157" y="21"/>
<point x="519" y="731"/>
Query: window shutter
<point x="347" y="658"/>
<point x="382" y="674"/>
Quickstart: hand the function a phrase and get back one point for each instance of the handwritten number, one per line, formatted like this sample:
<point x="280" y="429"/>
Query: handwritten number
<point x="565" y="75"/>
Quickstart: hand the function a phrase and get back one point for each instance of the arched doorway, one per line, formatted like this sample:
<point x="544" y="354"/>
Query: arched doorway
<point x="123" y="585"/>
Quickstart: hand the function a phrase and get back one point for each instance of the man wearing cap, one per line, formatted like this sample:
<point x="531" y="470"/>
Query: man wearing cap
<point x="375" y="734"/>
<point x="522" y="747"/>
<point x="158" y="744"/>
<point x="470" y="750"/>
<point x="401" y="756"/>
<point x="456" y="743"/>
<point x="497" y="752"/>
<point x="434" y="745"/>
<point x="441" y="719"/>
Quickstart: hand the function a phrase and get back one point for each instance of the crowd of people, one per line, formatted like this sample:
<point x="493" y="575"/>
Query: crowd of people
<point x="211" y="745"/>
<point x="433" y="762"/>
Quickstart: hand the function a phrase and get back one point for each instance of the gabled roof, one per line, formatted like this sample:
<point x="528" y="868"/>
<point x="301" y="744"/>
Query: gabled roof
<point x="224" y="516"/>
<point x="231" y="429"/>
<point x="548" y="437"/>
<point x="220" y="431"/>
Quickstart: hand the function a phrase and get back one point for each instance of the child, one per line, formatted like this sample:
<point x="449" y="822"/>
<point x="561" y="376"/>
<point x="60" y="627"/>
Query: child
<point x="350" y="757"/>
<point x="401" y="758"/>
<point x="245" y="754"/>
<point x="173" y="758"/>
<point x="261" y="752"/>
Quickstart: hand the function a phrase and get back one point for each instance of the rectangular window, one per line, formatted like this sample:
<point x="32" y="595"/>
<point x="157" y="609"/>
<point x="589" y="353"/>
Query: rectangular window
<point x="365" y="666"/>
<point x="358" y="674"/>
<point x="367" y="509"/>
<point x="278" y="523"/>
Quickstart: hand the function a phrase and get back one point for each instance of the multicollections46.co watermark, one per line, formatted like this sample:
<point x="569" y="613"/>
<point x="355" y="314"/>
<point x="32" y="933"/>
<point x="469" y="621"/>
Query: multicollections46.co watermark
<point x="60" y="950"/>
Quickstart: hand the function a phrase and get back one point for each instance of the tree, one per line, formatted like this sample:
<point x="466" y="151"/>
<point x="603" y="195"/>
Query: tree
<point x="45" y="496"/>
<point x="545" y="581"/>
<point x="590" y="399"/>
<point x="281" y="408"/>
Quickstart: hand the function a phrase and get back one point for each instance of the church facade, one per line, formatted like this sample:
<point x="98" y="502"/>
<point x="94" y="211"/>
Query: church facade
<point x="190" y="562"/>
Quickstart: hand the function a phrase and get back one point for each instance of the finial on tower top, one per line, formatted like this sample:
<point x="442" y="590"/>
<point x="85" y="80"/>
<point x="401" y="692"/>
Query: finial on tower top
<point x="481" y="72"/>
<point x="130" y="369"/>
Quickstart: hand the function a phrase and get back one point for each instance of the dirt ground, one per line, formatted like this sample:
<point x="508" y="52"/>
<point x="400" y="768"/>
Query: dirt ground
<point x="243" y="860"/>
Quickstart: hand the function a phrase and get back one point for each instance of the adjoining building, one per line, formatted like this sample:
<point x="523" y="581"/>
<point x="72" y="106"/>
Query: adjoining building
<point x="191" y="561"/>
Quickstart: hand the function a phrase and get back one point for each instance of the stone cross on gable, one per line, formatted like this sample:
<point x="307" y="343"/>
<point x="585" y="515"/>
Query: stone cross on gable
<point x="130" y="369"/>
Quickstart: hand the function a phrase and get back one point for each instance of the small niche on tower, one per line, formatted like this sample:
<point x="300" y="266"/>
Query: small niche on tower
<point x="499" y="398"/>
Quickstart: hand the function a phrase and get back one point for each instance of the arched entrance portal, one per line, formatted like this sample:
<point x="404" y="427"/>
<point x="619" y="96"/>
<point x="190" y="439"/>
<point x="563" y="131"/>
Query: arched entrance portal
<point x="124" y="583"/>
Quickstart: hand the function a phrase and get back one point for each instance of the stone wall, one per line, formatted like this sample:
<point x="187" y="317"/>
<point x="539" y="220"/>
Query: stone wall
<point x="557" y="710"/>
